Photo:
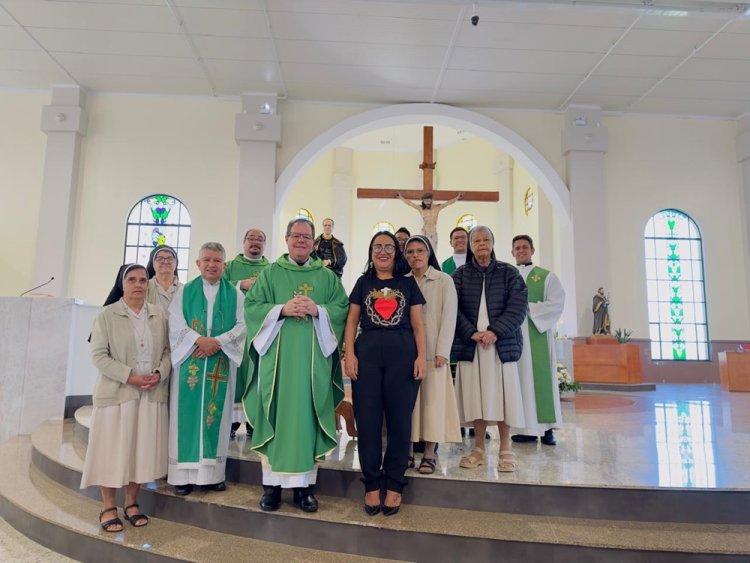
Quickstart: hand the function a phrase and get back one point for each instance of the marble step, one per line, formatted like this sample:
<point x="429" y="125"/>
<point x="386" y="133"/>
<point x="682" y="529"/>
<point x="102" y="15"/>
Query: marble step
<point x="471" y="490"/>
<point x="417" y="532"/>
<point x="66" y="522"/>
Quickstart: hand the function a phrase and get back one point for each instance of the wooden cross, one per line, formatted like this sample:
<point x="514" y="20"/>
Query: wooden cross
<point x="217" y="376"/>
<point x="427" y="166"/>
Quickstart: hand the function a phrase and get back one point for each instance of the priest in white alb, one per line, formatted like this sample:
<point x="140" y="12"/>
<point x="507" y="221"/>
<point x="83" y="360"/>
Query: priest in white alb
<point x="207" y="335"/>
<point x="538" y="363"/>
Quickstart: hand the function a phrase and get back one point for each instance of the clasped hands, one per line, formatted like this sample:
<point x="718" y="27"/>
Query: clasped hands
<point x="485" y="338"/>
<point x="207" y="346"/>
<point x="300" y="306"/>
<point x="145" y="382"/>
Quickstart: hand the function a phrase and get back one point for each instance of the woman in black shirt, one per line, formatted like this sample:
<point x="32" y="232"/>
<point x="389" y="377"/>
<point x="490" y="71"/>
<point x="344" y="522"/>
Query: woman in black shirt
<point x="385" y="364"/>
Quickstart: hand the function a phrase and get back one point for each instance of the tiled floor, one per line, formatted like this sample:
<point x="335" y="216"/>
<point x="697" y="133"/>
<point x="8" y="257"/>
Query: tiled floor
<point x="689" y="436"/>
<point x="16" y="547"/>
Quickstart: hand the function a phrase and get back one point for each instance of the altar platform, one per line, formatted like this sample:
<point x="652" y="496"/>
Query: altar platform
<point x="649" y="476"/>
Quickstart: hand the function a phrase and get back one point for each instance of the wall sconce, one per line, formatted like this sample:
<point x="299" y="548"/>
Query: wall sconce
<point x="265" y="109"/>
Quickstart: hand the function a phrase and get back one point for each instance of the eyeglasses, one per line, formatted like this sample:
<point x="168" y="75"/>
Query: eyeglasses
<point x="164" y="259"/>
<point x="300" y="236"/>
<point x="255" y="239"/>
<point x="389" y="248"/>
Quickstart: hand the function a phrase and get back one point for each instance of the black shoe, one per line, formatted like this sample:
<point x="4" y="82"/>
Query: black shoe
<point x="549" y="438"/>
<point x="304" y="499"/>
<point x="520" y="438"/>
<point x="271" y="499"/>
<point x="233" y="431"/>
<point x="249" y="430"/>
<point x="183" y="490"/>
<point x="215" y="487"/>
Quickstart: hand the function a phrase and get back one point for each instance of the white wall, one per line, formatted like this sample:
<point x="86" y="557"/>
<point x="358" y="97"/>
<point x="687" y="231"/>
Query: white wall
<point x="687" y="164"/>
<point x="22" y="149"/>
<point x="140" y="145"/>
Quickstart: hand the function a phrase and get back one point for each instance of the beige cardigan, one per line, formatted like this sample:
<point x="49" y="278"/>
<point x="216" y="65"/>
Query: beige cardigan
<point x="113" y="353"/>
<point x="440" y="312"/>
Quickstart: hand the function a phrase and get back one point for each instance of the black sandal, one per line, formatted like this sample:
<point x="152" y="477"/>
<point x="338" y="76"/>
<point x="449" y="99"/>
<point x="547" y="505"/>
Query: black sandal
<point x="107" y="525"/>
<point x="410" y="465"/>
<point x="134" y="518"/>
<point x="427" y="466"/>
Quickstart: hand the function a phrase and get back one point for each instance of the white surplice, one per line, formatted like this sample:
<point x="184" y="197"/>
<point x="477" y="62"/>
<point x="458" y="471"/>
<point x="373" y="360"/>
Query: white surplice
<point x="182" y="339"/>
<point x="544" y="315"/>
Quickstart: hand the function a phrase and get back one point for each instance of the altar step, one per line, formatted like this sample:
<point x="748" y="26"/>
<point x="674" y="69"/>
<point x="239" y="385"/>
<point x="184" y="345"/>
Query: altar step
<point x="63" y="520"/>
<point x="39" y="495"/>
<point x="646" y="504"/>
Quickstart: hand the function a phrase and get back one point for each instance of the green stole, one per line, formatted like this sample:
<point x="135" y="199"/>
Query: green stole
<point x="208" y="398"/>
<point x="541" y="368"/>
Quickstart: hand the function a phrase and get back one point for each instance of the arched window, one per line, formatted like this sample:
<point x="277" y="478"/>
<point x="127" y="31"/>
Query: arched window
<point x="467" y="221"/>
<point x="675" y="287"/>
<point x="383" y="226"/>
<point x="303" y="213"/>
<point x="156" y="220"/>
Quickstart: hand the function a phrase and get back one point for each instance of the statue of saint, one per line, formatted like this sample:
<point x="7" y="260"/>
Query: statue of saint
<point x="429" y="213"/>
<point x="601" y="312"/>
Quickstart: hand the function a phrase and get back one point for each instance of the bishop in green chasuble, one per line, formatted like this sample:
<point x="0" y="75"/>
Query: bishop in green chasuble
<point x="295" y="382"/>
<point x="202" y="388"/>
<point x="538" y="363"/>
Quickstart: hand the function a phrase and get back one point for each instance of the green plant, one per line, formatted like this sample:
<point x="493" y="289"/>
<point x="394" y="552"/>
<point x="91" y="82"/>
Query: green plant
<point x="564" y="380"/>
<point x="623" y="335"/>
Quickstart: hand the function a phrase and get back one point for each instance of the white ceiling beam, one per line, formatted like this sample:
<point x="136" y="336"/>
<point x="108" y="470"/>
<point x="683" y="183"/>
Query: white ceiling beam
<point x="275" y="53"/>
<point x="448" y="53"/>
<point x="614" y="45"/>
<point x="695" y="51"/>
<point x="51" y="57"/>
<point x="191" y="44"/>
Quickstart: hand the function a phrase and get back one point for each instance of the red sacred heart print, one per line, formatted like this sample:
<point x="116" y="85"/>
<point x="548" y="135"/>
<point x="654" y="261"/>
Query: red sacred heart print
<point x="385" y="307"/>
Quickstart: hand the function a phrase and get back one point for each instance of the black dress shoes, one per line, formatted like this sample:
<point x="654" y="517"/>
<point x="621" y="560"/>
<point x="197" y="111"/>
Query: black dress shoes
<point x="549" y="439"/>
<point x="215" y="487"/>
<point x="183" y="490"/>
<point x="520" y="438"/>
<point x="304" y="499"/>
<point x="233" y="431"/>
<point x="271" y="499"/>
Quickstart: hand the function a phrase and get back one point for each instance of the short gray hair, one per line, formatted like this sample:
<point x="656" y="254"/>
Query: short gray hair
<point x="299" y="220"/>
<point x="215" y="246"/>
<point x="481" y="229"/>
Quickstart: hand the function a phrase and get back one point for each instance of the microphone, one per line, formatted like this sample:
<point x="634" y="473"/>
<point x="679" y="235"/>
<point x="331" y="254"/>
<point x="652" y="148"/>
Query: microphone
<point x="37" y="287"/>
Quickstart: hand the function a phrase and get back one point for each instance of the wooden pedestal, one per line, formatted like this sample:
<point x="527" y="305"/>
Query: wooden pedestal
<point x="619" y="363"/>
<point x="734" y="370"/>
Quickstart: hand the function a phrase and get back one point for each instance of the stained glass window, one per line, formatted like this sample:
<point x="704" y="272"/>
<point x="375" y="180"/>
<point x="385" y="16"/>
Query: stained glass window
<point x="383" y="226"/>
<point x="156" y="220"/>
<point x="467" y="221"/>
<point x="675" y="287"/>
<point x="303" y="213"/>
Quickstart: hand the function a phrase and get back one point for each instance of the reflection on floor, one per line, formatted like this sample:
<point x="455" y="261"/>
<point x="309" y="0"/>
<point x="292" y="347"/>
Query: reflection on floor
<point x="691" y="436"/>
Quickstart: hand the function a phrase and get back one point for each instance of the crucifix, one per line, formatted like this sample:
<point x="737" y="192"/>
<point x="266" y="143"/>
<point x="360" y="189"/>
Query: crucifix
<point x="427" y="210"/>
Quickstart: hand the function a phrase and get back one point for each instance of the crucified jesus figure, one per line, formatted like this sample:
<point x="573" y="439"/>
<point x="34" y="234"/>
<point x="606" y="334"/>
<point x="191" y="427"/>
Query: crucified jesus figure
<point x="429" y="213"/>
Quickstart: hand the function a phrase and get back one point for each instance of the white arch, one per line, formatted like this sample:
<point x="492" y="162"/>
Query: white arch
<point x="458" y="118"/>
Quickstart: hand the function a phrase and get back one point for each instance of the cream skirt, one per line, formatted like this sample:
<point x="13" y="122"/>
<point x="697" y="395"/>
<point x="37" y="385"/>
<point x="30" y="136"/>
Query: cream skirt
<point x="127" y="443"/>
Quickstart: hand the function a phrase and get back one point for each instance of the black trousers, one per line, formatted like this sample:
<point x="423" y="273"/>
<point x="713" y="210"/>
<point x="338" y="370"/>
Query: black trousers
<point x="385" y="387"/>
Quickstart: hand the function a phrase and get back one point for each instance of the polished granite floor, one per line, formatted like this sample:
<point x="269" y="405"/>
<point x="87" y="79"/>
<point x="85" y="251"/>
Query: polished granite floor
<point x="685" y="436"/>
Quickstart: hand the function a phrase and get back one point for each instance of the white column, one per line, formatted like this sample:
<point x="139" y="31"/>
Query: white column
<point x="585" y="141"/>
<point x="502" y="171"/>
<point x="342" y="188"/>
<point x="257" y="131"/>
<point x="743" y="157"/>
<point x="64" y="121"/>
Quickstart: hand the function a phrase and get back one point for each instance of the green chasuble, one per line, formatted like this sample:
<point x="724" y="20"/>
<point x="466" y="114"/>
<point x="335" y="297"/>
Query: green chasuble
<point x="242" y="268"/>
<point x="294" y="390"/>
<point x="202" y="402"/>
<point x="448" y="266"/>
<point x="545" y="408"/>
